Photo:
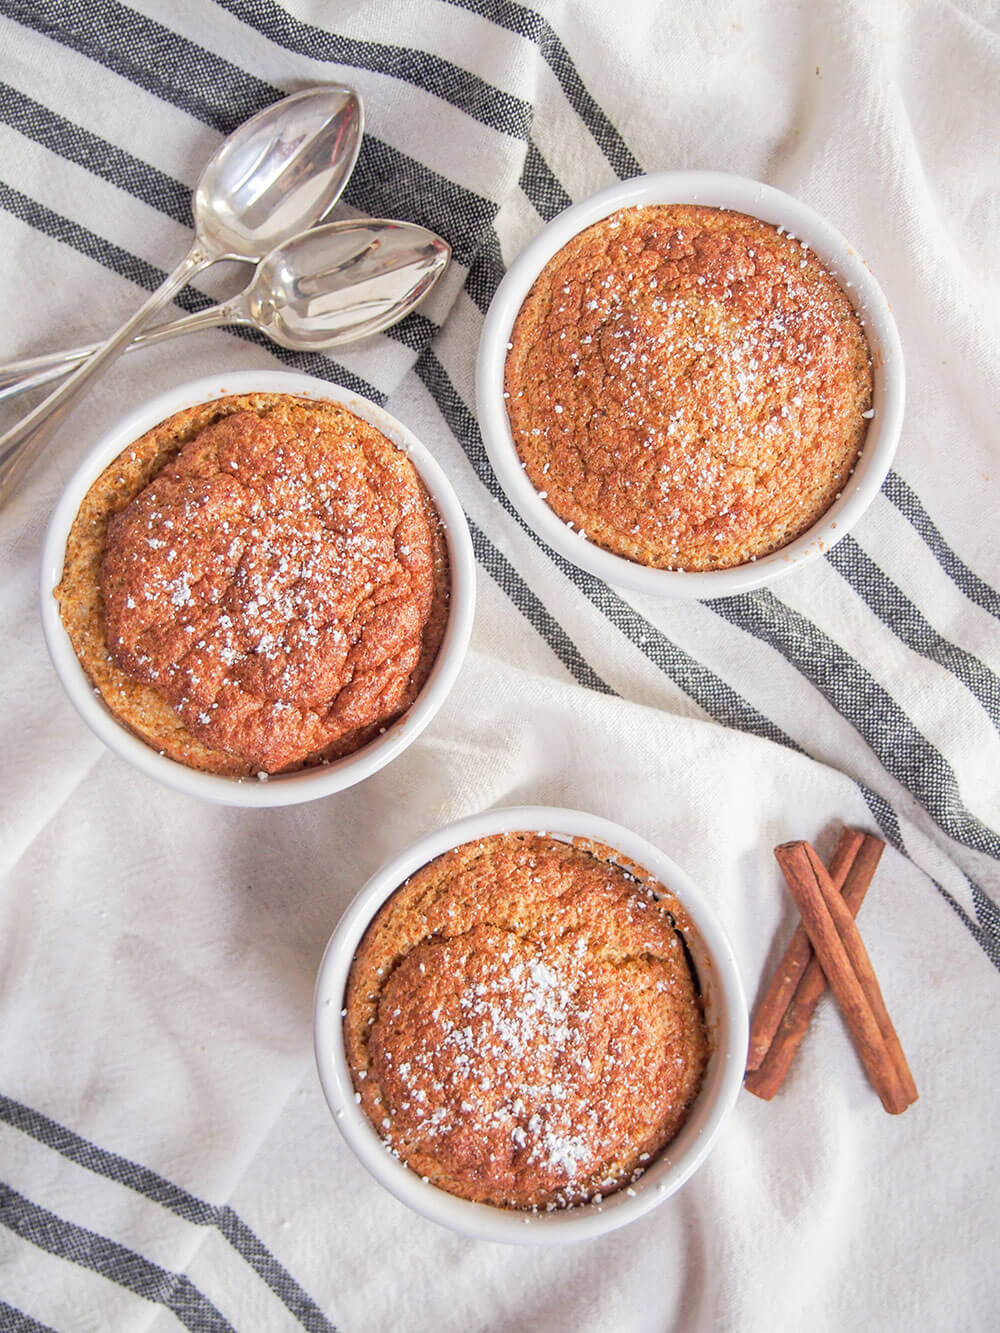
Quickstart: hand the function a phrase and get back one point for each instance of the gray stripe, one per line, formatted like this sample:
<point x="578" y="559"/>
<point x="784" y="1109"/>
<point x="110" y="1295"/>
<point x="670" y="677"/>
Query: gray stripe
<point x="486" y="272"/>
<point x="895" y="610"/>
<point x="96" y="155"/>
<point x="387" y="183"/>
<point x="541" y="186"/>
<point x="483" y="101"/>
<point x="885" y="817"/>
<point x="855" y="694"/>
<point x="172" y="1197"/>
<point x="534" y="611"/>
<point x="902" y="495"/>
<point x="985" y="930"/>
<point x="16" y="1321"/>
<point x="86" y="242"/>
<point x="527" y="23"/>
<point x="90" y="1250"/>
<point x="988" y="916"/>
<point x="146" y="53"/>
<point x="988" y="939"/>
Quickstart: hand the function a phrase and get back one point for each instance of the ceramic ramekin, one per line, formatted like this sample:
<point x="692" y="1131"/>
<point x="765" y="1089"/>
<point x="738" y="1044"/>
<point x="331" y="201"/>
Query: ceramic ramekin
<point x="725" y="1011"/>
<point x="716" y="189"/>
<point x="307" y="784"/>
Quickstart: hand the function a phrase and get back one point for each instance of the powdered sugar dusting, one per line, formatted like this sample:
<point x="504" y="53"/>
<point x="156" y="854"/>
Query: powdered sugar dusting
<point x="687" y="386"/>
<point x="538" y="1053"/>
<point x="273" y="583"/>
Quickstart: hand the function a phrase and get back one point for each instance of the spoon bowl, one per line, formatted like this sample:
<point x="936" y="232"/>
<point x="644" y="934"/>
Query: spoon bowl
<point x="281" y="171"/>
<point x="345" y="281"/>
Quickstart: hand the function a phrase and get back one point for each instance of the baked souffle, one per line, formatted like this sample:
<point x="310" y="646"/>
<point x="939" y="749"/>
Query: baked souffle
<point x="523" y="1024"/>
<point x="688" y="387"/>
<point x="258" y="584"/>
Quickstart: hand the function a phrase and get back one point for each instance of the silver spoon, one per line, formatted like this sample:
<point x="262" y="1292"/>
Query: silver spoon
<point x="332" y="285"/>
<point x="274" y="176"/>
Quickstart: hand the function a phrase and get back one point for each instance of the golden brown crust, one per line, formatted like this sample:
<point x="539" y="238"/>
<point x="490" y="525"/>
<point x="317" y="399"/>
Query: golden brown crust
<point x="522" y="1023"/>
<point x="258" y="584"/>
<point x="687" y="386"/>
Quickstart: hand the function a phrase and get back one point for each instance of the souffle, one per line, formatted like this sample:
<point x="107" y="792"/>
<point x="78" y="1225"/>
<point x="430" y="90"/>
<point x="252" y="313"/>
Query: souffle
<point x="687" y="386"/>
<point x="258" y="584"/>
<point x="523" y="1024"/>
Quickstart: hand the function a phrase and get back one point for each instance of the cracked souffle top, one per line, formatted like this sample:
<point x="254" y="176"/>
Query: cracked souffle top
<point x="688" y="387"/>
<point x="522" y="1022"/>
<point x="258" y="584"/>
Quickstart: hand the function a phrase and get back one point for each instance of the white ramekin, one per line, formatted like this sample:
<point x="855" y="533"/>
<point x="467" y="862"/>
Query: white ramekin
<point x="725" y="1009"/>
<point x="307" y="784"/>
<point x="716" y="189"/>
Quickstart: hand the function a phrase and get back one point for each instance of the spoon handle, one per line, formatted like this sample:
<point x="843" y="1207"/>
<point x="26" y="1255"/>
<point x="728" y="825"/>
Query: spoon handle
<point x="29" y="373"/>
<point x="20" y="445"/>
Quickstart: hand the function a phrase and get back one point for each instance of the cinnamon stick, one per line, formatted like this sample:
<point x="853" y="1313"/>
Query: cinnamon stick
<point x="862" y="965"/>
<point x="810" y="886"/>
<point x="796" y="958"/>
<point x="765" y="1081"/>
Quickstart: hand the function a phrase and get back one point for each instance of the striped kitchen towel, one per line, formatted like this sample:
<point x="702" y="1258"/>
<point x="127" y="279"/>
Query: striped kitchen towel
<point x="165" y="1153"/>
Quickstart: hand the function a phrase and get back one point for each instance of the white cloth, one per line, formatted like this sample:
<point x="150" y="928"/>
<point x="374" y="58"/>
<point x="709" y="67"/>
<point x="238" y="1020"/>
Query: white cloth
<point x="165" y="1151"/>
